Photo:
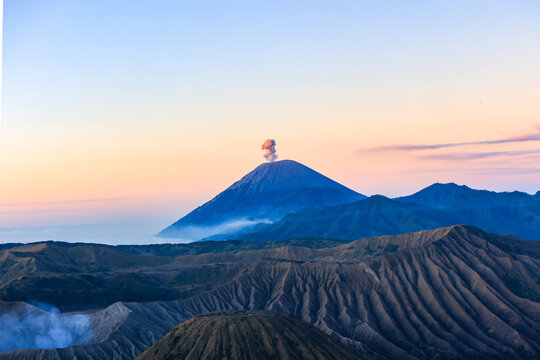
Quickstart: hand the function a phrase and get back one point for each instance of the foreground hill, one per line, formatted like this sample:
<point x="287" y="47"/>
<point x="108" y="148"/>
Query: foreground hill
<point x="438" y="205"/>
<point x="245" y="336"/>
<point x="449" y="293"/>
<point x="265" y="194"/>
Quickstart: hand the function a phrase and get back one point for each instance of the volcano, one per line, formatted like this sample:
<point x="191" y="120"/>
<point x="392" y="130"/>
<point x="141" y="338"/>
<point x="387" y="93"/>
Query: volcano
<point x="264" y="195"/>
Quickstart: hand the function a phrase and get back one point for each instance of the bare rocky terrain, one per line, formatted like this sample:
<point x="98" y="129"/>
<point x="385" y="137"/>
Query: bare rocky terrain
<point x="449" y="293"/>
<point x="244" y="336"/>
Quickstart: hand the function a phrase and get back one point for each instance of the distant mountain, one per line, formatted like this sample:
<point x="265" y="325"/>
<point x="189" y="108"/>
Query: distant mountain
<point x="376" y="215"/>
<point x="507" y="213"/>
<point x="240" y="335"/>
<point x="266" y="194"/>
<point x="437" y="195"/>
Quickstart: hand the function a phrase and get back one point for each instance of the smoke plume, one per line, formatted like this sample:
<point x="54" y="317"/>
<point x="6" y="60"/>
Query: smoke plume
<point x="269" y="146"/>
<point x="43" y="328"/>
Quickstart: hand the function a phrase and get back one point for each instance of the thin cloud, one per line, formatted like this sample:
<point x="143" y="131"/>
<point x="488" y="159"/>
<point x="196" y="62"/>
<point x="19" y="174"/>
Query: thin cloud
<point x="478" y="155"/>
<point x="504" y="171"/>
<point x="420" y="147"/>
<point x="84" y="201"/>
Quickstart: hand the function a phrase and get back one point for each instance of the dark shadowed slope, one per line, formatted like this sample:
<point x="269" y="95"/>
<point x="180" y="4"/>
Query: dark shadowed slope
<point x="247" y="336"/>
<point x="80" y="276"/>
<point x="508" y="213"/>
<point x="511" y="213"/>
<point x="265" y="194"/>
<point x="448" y="293"/>
<point x="376" y="215"/>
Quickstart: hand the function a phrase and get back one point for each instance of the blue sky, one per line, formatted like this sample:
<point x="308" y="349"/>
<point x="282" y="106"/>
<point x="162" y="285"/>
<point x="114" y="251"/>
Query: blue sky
<point x="128" y="111"/>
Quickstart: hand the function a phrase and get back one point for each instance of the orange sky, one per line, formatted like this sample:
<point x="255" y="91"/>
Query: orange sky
<point x="95" y="134"/>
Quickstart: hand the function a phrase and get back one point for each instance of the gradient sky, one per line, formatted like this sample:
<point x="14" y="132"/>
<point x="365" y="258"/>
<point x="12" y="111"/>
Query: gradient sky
<point x="131" y="111"/>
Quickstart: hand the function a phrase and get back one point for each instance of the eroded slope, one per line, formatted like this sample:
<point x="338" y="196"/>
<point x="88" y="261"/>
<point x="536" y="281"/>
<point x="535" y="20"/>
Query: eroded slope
<point x="244" y="336"/>
<point x="448" y="293"/>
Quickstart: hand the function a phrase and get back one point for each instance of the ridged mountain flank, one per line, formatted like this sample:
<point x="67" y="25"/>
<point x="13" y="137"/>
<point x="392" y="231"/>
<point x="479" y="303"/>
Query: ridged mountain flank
<point x="246" y="336"/>
<point x="450" y="293"/>
<point x="266" y="194"/>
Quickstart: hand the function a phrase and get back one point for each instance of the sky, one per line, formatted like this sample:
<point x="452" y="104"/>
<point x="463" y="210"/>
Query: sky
<point x="134" y="112"/>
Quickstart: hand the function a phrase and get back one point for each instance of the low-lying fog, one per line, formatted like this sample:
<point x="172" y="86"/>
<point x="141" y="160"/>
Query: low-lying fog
<point x="112" y="234"/>
<point x="120" y="233"/>
<point x="42" y="327"/>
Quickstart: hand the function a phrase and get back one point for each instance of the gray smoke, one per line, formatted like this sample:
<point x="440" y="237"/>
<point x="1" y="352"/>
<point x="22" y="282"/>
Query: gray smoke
<point x="269" y="146"/>
<point x="43" y="327"/>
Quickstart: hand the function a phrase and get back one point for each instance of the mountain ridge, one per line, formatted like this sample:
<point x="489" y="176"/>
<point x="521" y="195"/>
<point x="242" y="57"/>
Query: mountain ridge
<point x="375" y="215"/>
<point x="453" y="292"/>
<point x="439" y="194"/>
<point x="507" y="213"/>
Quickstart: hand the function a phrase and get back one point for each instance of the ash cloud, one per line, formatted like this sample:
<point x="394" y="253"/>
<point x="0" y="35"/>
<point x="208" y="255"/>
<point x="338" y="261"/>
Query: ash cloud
<point x="42" y="327"/>
<point x="479" y="155"/>
<point x="269" y="146"/>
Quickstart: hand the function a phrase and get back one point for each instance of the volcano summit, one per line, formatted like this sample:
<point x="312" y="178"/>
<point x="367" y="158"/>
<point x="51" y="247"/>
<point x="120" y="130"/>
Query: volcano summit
<point x="266" y="194"/>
